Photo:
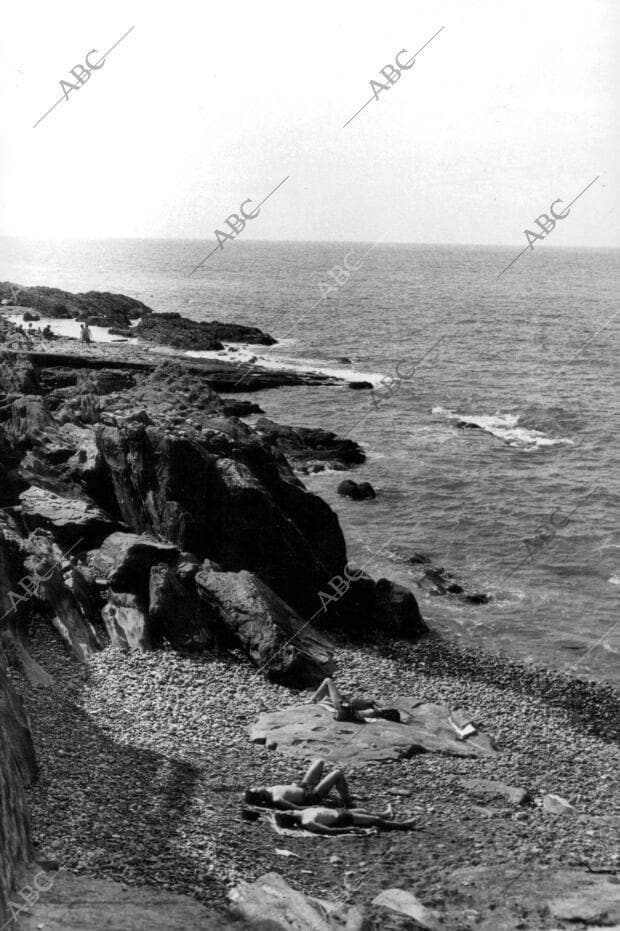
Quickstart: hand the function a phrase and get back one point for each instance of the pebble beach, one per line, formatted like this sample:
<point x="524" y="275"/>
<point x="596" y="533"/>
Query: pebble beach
<point x="145" y="758"/>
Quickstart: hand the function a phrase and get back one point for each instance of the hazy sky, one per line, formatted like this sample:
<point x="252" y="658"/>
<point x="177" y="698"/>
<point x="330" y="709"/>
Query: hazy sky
<point x="204" y="105"/>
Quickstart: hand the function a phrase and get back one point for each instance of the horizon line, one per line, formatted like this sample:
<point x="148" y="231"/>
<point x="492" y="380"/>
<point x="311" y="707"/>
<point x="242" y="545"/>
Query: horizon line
<point x="395" y="242"/>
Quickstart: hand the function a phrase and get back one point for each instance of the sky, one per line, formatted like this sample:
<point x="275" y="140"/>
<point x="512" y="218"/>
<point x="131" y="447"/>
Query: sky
<point x="203" y="105"/>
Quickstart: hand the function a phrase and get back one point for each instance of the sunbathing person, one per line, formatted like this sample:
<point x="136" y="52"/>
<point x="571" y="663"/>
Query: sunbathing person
<point x="345" y="708"/>
<point x="321" y="820"/>
<point x="312" y="790"/>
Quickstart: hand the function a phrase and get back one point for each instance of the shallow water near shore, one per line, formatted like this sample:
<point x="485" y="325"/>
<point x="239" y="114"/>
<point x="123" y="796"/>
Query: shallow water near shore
<point x="529" y="361"/>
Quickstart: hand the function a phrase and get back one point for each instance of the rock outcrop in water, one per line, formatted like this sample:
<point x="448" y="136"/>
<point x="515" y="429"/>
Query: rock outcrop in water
<point x="310" y="449"/>
<point x="117" y="311"/>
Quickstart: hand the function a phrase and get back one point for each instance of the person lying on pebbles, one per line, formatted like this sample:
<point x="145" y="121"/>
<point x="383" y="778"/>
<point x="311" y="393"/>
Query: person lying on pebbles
<point x="312" y="789"/>
<point x="346" y="708"/>
<point x="321" y="820"/>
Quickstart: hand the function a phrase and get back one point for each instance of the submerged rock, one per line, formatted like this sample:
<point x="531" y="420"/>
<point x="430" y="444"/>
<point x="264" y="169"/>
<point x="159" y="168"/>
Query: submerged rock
<point x="361" y="491"/>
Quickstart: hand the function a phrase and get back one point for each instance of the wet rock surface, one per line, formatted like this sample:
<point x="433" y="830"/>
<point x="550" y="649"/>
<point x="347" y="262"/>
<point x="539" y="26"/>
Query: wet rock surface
<point x="310" y="449"/>
<point x="357" y="491"/>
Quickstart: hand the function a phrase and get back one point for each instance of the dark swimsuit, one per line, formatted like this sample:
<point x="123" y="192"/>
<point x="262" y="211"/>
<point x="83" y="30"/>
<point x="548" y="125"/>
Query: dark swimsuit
<point x="345" y="820"/>
<point x="347" y="713"/>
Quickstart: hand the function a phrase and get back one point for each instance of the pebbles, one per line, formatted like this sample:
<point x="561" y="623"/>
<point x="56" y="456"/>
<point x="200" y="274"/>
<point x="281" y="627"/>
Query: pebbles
<point x="143" y="764"/>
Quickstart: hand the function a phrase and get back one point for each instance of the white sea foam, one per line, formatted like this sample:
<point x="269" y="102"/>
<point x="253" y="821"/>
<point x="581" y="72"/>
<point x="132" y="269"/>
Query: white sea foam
<point x="269" y="360"/>
<point x="614" y="580"/>
<point x="504" y="427"/>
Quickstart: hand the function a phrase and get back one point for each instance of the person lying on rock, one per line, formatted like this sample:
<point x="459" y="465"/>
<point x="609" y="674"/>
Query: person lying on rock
<point x="294" y="796"/>
<point x="321" y="820"/>
<point x="345" y="708"/>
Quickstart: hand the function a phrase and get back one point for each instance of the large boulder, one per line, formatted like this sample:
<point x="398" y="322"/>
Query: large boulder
<point x="75" y="522"/>
<point x="271" y="904"/>
<point x="126" y="619"/>
<point x="71" y="614"/>
<point x="397" y="611"/>
<point x="124" y="560"/>
<point x="123" y="565"/>
<point x="271" y="633"/>
<point x="176" y="611"/>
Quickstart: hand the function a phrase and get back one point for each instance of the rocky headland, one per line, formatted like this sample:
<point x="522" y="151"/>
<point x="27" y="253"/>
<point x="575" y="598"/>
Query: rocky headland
<point x="165" y="577"/>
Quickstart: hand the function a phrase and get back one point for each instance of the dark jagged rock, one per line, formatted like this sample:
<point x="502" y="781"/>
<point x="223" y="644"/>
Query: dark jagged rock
<point x="124" y="561"/>
<point x="98" y="307"/>
<point x="240" y="408"/>
<point x="75" y="522"/>
<point x="176" y="611"/>
<point x="210" y="493"/>
<point x="217" y="374"/>
<point x="126" y="620"/>
<point x="17" y="376"/>
<point x="438" y="581"/>
<point x="171" y="329"/>
<point x="357" y="491"/>
<point x="273" y="635"/>
<point x="46" y="564"/>
<point x="101" y="308"/>
<point x="149" y="448"/>
<point x="309" y="449"/>
<point x="397" y="610"/>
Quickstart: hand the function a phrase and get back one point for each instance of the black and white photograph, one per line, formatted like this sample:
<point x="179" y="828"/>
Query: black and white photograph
<point x="310" y="466"/>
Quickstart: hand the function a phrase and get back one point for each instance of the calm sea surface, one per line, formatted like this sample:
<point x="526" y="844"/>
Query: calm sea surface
<point x="532" y="357"/>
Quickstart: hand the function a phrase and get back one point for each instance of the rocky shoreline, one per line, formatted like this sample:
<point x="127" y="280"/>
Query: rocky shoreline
<point x="166" y="575"/>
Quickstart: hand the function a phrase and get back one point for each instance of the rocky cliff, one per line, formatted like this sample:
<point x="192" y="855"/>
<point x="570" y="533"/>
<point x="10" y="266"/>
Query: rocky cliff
<point x="17" y="770"/>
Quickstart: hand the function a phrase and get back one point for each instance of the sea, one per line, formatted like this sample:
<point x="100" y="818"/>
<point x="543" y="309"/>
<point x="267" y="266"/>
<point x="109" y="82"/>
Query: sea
<point x="492" y="431"/>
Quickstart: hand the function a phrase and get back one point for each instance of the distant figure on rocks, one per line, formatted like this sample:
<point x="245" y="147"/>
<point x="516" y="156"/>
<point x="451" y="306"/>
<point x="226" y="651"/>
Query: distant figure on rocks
<point x="47" y="332"/>
<point x="295" y="796"/>
<point x="361" y="710"/>
<point x="339" y="821"/>
<point x="85" y="333"/>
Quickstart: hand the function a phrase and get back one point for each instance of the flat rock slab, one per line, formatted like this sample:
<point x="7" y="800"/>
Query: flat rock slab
<point x="310" y="731"/>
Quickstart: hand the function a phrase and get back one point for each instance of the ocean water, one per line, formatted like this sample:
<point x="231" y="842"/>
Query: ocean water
<point x="530" y="356"/>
